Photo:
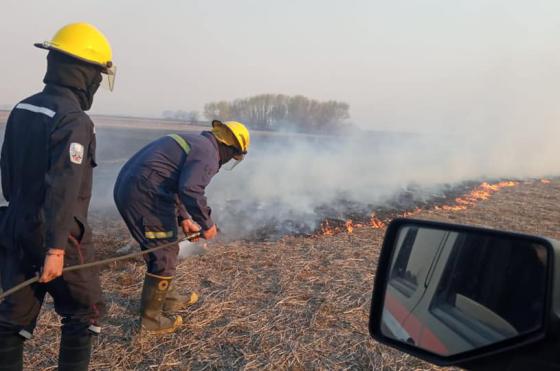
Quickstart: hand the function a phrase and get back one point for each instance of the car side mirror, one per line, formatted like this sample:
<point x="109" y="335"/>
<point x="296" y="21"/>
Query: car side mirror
<point x="461" y="295"/>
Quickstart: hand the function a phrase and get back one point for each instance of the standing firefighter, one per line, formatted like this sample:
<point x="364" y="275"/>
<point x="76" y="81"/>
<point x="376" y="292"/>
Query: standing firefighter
<point x="164" y="182"/>
<point x="47" y="163"/>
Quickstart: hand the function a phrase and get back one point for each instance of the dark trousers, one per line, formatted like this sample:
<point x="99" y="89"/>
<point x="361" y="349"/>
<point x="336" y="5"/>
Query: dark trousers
<point x="77" y="294"/>
<point x="152" y="221"/>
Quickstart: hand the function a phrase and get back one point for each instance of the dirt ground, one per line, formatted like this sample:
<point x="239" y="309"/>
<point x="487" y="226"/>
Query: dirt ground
<point x="297" y="303"/>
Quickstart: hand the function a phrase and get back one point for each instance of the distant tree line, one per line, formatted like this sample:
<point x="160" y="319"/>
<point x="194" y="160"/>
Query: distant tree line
<point x="187" y="116"/>
<point x="281" y="112"/>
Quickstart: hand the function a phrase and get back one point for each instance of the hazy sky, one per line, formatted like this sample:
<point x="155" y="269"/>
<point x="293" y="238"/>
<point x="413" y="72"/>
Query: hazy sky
<point x="403" y="65"/>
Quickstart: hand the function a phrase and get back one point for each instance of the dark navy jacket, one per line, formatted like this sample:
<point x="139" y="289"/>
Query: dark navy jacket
<point x="168" y="173"/>
<point x="47" y="164"/>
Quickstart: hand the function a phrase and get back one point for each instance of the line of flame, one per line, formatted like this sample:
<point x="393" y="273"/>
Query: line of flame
<point x="480" y="193"/>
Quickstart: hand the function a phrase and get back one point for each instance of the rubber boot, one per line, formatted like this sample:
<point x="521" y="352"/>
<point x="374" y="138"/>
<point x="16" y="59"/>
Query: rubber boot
<point x="75" y="352"/>
<point x="153" y="321"/>
<point x="11" y="352"/>
<point x="175" y="301"/>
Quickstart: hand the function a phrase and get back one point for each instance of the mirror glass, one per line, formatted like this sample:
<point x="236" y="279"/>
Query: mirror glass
<point x="449" y="291"/>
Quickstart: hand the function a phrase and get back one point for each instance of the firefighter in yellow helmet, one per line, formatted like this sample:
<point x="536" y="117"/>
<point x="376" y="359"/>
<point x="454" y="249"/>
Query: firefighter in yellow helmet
<point x="47" y="162"/>
<point x="163" y="182"/>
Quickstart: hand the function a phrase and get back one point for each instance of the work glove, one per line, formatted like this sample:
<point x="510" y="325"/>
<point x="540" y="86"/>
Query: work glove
<point x="53" y="265"/>
<point x="210" y="233"/>
<point x="190" y="227"/>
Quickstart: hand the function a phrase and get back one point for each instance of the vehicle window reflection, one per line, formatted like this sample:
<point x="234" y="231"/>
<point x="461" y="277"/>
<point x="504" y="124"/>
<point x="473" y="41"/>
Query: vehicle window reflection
<point x="497" y="282"/>
<point x="450" y="292"/>
<point x="412" y="264"/>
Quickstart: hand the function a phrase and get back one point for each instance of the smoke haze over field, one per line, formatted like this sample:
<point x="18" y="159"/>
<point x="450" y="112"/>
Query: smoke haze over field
<point x="290" y="182"/>
<point x="305" y="181"/>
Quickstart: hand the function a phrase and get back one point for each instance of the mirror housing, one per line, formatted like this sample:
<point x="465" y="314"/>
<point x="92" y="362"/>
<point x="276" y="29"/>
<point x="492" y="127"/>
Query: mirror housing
<point x="506" y="343"/>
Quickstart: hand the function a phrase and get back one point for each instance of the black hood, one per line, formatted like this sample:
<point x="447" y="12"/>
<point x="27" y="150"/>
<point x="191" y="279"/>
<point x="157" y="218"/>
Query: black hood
<point x="226" y="152"/>
<point x="81" y="77"/>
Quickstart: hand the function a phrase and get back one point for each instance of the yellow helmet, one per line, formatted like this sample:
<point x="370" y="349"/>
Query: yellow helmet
<point x="85" y="42"/>
<point x="232" y="133"/>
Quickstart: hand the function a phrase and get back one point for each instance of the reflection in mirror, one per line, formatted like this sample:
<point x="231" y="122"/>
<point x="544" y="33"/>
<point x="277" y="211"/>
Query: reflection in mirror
<point x="449" y="292"/>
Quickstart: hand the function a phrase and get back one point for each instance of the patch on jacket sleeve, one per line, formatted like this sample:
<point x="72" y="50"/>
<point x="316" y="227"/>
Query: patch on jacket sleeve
<point x="76" y="153"/>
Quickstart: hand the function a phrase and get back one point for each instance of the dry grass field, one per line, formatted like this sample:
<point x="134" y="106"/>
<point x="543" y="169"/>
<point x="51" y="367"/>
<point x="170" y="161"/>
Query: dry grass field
<point x="296" y="303"/>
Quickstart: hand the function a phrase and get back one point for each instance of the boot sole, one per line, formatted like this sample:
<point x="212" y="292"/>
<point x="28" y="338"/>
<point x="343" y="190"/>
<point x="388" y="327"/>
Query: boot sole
<point x="183" y="306"/>
<point x="163" y="331"/>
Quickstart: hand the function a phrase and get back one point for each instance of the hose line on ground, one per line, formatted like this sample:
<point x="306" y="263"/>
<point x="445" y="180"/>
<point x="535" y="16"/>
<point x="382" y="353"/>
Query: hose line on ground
<point x="30" y="281"/>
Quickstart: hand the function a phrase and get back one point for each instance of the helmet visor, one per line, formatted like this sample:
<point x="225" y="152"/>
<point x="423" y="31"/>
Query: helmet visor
<point x="108" y="77"/>
<point x="236" y="160"/>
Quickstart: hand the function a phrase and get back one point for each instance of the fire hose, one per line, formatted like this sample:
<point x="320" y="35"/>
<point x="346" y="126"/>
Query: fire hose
<point x="30" y="281"/>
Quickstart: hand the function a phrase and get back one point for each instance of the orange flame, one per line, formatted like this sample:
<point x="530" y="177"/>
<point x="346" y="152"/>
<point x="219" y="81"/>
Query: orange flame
<point x="480" y="193"/>
<point x="349" y="226"/>
<point x="507" y="184"/>
<point x="375" y="222"/>
<point x="545" y="181"/>
<point x="450" y="208"/>
<point x="326" y="229"/>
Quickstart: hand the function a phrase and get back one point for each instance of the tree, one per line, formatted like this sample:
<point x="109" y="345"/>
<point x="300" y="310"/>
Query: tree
<point x="180" y="115"/>
<point x="218" y="111"/>
<point x="276" y="111"/>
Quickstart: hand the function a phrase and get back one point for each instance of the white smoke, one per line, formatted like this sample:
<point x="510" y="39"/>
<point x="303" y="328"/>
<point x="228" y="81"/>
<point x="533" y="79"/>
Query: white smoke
<point x="499" y="119"/>
<point x="288" y="179"/>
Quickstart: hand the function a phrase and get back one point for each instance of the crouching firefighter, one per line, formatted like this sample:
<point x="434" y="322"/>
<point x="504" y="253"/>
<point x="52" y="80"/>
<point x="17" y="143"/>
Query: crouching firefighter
<point x="47" y="161"/>
<point x="165" y="182"/>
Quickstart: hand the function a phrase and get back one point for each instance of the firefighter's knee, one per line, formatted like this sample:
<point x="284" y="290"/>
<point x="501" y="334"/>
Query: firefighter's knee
<point x="79" y="327"/>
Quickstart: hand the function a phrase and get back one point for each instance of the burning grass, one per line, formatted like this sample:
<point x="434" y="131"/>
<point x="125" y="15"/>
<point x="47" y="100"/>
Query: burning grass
<point x="480" y="193"/>
<point x="300" y="302"/>
<point x="472" y="195"/>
